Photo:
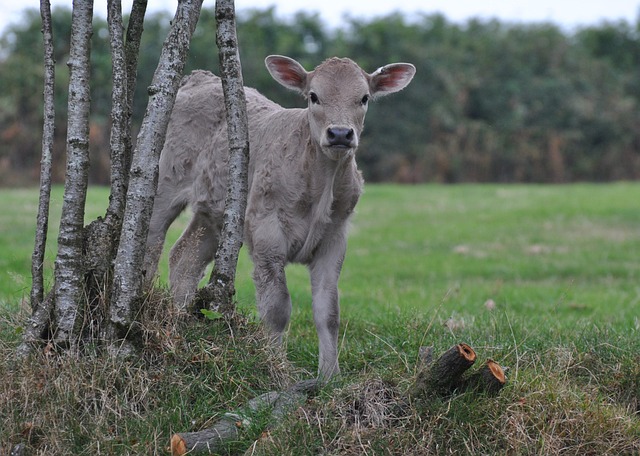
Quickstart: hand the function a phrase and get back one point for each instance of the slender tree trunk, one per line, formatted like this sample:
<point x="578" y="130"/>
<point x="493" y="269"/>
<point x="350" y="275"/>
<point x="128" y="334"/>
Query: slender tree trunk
<point x="127" y="284"/>
<point x="37" y="259"/>
<point x="125" y="69"/>
<point x="69" y="265"/>
<point x="102" y="234"/>
<point x="40" y="309"/>
<point x="220" y="289"/>
<point x="131" y="54"/>
<point x="119" y="116"/>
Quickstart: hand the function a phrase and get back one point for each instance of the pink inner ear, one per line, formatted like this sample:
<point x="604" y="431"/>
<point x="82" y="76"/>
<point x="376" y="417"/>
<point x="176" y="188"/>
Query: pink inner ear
<point x="287" y="73"/>
<point x="290" y="75"/>
<point x="391" y="78"/>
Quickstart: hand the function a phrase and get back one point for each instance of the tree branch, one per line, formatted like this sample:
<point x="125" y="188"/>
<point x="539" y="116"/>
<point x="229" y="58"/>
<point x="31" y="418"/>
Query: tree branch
<point x="215" y="439"/>
<point x="442" y="375"/>
<point x="131" y="55"/>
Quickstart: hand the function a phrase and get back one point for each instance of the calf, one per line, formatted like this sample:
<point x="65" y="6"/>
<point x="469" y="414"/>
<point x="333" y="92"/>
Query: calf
<point x="303" y="185"/>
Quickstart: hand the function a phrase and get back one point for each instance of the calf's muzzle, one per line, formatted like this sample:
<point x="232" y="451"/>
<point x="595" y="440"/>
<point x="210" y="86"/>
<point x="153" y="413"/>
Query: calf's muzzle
<point x="340" y="136"/>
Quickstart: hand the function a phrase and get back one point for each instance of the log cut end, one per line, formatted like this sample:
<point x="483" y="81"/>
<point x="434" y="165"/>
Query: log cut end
<point x="497" y="371"/>
<point x="467" y="353"/>
<point x="178" y="445"/>
<point x="494" y="377"/>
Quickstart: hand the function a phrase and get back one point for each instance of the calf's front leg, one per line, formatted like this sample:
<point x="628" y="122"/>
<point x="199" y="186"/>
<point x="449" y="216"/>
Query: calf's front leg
<point x="325" y="272"/>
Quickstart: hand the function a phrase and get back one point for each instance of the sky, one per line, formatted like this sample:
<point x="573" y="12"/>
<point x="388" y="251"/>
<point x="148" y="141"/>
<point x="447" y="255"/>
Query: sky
<point x="569" y="14"/>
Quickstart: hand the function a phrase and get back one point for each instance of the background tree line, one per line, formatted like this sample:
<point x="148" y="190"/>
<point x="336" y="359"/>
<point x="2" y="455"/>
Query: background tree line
<point x="491" y="101"/>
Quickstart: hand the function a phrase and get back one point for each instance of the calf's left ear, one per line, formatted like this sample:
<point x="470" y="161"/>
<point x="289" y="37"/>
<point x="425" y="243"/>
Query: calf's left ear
<point x="391" y="78"/>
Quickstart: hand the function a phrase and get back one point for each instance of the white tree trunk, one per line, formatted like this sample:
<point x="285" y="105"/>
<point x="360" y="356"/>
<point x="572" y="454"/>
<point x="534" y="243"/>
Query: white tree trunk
<point x="41" y="309"/>
<point x="69" y="267"/>
<point x="101" y="235"/>
<point x="132" y="53"/>
<point x="220" y="290"/>
<point x="42" y="224"/>
<point x="119" y="116"/>
<point x="127" y="283"/>
<point x="124" y="69"/>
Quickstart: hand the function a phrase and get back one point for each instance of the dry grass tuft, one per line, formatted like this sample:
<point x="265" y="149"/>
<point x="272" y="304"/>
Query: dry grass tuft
<point x="373" y="404"/>
<point x="190" y="372"/>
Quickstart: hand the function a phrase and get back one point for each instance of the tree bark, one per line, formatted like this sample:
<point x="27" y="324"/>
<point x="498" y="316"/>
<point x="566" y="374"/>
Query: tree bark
<point x="102" y="234"/>
<point x="120" y="116"/>
<point x="42" y="224"/>
<point x="69" y="265"/>
<point x="219" y="292"/>
<point x="40" y="309"/>
<point x="131" y="54"/>
<point x="127" y="284"/>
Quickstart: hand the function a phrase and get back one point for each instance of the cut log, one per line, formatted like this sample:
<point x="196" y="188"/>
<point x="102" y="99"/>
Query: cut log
<point x="215" y="439"/>
<point x="442" y="375"/>
<point x="490" y="378"/>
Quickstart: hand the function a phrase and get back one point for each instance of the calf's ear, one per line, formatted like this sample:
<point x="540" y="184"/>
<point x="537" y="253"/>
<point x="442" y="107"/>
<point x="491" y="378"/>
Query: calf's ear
<point x="287" y="72"/>
<point x="391" y="78"/>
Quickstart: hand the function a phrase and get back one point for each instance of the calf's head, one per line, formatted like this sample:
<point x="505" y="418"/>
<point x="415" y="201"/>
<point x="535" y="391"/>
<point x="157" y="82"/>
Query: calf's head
<point x="338" y="92"/>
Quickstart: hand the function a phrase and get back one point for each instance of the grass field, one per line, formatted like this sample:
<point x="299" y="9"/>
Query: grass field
<point x="543" y="279"/>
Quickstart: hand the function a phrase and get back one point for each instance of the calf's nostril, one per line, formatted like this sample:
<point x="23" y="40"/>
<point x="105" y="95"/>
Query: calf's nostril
<point x="339" y="136"/>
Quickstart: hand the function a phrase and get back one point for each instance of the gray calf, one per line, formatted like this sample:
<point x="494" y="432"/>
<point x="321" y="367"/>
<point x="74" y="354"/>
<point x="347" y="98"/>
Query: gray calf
<point x="303" y="184"/>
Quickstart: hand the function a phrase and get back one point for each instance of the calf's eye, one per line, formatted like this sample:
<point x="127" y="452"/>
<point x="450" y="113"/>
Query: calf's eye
<point x="364" y="100"/>
<point x="314" y="98"/>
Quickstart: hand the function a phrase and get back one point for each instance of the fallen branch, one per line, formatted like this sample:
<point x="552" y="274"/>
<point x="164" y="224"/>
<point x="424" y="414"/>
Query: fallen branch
<point x="228" y="429"/>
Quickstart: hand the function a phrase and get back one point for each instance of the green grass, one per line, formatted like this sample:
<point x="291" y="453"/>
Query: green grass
<point x="561" y="264"/>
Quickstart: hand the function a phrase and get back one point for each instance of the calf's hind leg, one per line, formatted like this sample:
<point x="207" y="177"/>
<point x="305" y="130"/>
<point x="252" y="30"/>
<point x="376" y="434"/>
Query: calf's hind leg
<point x="190" y="256"/>
<point x="166" y="208"/>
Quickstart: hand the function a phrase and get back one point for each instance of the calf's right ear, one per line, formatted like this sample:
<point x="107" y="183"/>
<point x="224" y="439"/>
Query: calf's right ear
<point x="287" y="72"/>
